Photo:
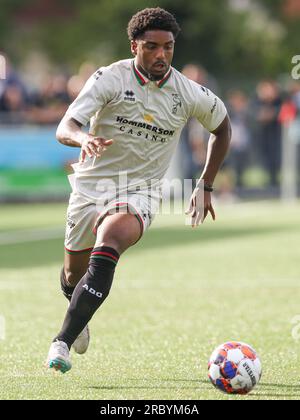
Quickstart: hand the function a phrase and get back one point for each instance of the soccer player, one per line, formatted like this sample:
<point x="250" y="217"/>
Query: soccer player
<point x="136" y="109"/>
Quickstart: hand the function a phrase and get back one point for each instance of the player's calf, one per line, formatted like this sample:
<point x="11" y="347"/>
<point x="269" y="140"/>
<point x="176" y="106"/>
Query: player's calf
<point x="89" y="293"/>
<point x="66" y="288"/>
<point x="81" y="343"/>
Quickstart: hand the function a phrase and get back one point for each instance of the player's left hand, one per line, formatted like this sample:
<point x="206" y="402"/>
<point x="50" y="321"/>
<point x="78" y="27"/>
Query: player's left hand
<point x="199" y="206"/>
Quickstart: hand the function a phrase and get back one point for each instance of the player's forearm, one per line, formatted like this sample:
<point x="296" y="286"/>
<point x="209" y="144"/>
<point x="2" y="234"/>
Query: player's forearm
<point x="218" y="146"/>
<point x="69" y="133"/>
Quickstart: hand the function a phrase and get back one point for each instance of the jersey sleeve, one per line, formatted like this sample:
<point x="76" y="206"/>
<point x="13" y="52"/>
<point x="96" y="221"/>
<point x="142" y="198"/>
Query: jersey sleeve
<point x="98" y="91"/>
<point x="209" y="110"/>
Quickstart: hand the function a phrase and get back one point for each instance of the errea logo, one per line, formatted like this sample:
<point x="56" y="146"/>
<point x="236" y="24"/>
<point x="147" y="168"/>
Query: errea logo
<point x="98" y="74"/>
<point x="205" y="90"/>
<point x="92" y="291"/>
<point x="129" y="96"/>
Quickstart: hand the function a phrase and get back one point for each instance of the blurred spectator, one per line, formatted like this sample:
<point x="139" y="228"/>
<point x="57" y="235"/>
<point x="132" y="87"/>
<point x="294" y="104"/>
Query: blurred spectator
<point x="294" y="119"/>
<point x="193" y="141"/>
<point x="266" y="109"/>
<point x="12" y="77"/>
<point x="50" y="104"/>
<point x="295" y="96"/>
<point x="13" y="104"/>
<point x="76" y="82"/>
<point x="239" y="149"/>
<point x="13" y="96"/>
<point x="200" y="75"/>
<point x="45" y="106"/>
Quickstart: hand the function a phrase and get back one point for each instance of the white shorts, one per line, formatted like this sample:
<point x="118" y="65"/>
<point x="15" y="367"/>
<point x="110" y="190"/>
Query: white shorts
<point x="84" y="216"/>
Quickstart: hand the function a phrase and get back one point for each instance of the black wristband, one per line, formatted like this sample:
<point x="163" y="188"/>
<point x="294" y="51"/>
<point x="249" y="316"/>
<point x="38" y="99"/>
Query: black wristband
<point x="208" y="188"/>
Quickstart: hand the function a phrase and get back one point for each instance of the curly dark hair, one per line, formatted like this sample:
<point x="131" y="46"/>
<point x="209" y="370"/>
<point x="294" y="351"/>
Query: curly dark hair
<point x="151" y="19"/>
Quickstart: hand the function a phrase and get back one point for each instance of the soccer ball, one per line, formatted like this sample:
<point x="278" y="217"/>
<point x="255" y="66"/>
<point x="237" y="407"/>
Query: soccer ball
<point x="234" y="368"/>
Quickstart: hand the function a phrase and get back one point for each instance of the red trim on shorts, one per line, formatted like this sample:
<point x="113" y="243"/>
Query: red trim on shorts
<point x="77" y="252"/>
<point x="140" y="219"/>
<point x="104" y="215"/>
<point x="121" y="204"/>
<point x="137" y="215"/>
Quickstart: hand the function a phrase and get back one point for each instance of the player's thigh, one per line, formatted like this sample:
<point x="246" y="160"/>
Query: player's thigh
<point x="79" y="238"/>
<point x="75" y="266"/>
<point x="119" y="231"/>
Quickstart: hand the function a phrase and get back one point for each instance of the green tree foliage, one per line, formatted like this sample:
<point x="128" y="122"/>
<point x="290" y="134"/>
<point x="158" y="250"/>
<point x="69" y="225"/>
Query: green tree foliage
<point x="7" y="11"/>
<point x="256" y="42"/>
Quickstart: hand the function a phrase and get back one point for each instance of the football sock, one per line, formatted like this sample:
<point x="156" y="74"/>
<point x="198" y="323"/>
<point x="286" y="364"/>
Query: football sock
<point x="66" y="289"/>
<point x="90" y="293"/>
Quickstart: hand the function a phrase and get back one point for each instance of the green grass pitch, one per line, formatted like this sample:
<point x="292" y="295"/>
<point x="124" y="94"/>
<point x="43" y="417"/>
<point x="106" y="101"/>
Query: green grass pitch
<point x="176" y="295"/>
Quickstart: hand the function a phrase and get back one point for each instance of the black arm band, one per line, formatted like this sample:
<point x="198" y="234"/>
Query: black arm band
<point x="208" y="188"/>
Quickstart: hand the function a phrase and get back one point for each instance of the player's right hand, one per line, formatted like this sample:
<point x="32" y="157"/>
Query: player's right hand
<point x="93" y="146"/>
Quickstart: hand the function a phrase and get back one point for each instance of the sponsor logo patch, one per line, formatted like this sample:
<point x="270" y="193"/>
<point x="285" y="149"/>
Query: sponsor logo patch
<point x="177" y="103"/>
<point x="92" y="291"/>
<point x="129" y="96"/>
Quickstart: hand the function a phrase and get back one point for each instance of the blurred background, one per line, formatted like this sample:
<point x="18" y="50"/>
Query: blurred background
<point x="246" y="51"/>
<point x="181" y="291"/>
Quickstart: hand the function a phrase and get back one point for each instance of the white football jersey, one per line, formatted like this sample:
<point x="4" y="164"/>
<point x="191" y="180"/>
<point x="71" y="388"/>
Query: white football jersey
<point x="145" y="119"/>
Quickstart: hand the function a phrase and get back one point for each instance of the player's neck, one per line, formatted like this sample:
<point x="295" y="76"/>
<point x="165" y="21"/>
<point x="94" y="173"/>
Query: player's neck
<point x="149" y="75"/>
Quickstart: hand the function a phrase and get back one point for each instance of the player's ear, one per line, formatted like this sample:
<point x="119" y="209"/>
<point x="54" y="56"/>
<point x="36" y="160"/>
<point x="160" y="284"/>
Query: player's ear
<point x="133" y="45"/>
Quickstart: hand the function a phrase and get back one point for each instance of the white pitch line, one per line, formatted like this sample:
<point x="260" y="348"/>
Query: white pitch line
<point x="31" y="235"/>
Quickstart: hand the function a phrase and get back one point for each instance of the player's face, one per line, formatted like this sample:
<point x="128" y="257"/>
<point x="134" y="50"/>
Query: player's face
<point x="154" y="52"/>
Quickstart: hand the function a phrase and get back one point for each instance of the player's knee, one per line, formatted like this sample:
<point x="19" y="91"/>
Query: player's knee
<point x="115" y="238"/>
<point x="112" y="242"/>
<point x="112" y="238"/>
<point x="119" y="235"/>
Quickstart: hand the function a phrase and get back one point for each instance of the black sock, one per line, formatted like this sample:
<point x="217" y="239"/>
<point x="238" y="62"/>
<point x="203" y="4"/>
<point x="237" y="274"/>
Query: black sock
<point x="89" y="293"/>
<point x="67" y="290"/>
